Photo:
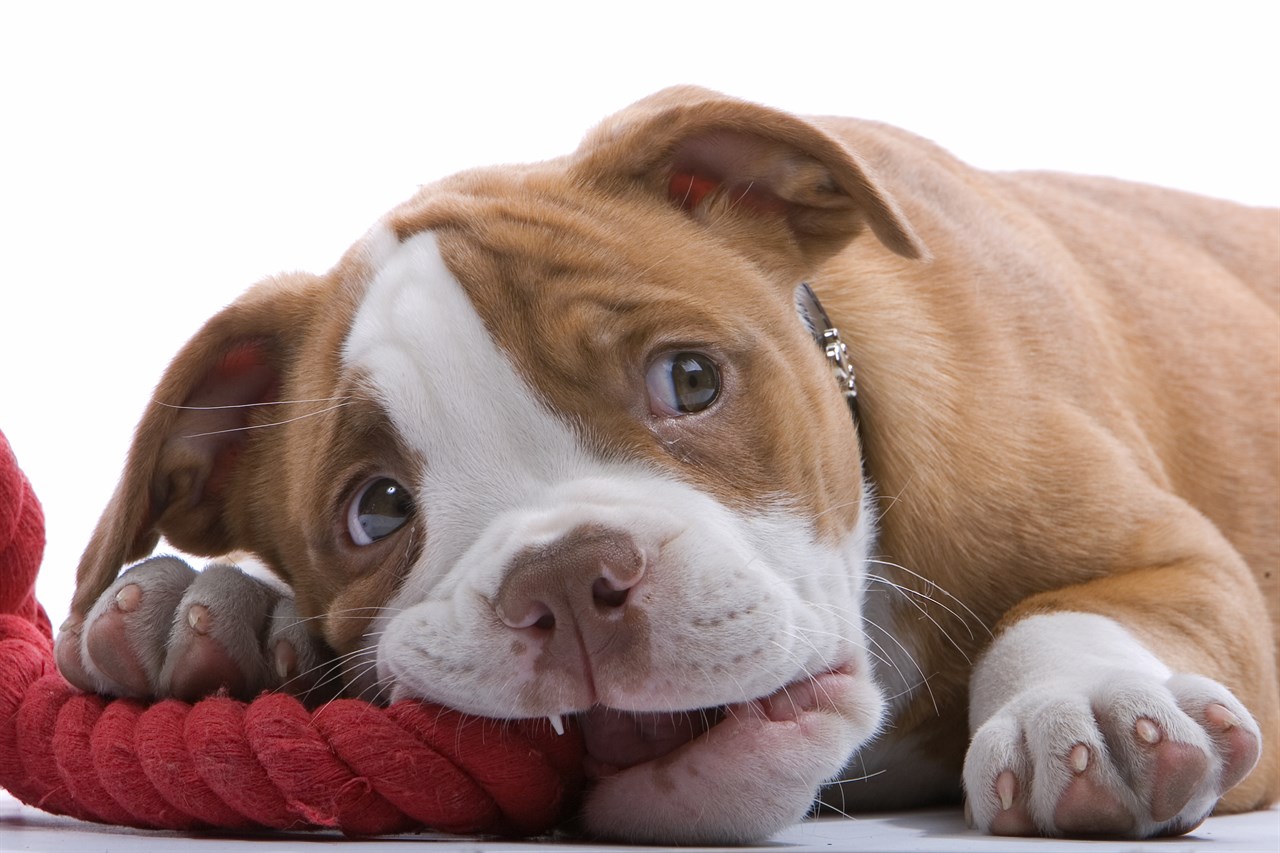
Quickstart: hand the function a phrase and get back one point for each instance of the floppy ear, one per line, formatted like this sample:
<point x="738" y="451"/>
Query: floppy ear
<point x="698" y="148"/>
<point x="193" y="436"/>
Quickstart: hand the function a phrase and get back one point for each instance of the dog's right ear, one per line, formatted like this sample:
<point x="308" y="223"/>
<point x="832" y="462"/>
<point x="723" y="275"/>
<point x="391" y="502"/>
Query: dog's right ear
<point x="193" y="437"/>
<point x="691" y="147"/>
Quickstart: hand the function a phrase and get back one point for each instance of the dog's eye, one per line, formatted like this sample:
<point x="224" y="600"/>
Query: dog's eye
<point x="681" y="383"/>
<point x="380" y="508"/>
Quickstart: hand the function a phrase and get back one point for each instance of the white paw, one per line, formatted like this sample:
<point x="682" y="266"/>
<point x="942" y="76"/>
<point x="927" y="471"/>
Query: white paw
<point x="164" y="630"/>
<point x="1125" y="754"/>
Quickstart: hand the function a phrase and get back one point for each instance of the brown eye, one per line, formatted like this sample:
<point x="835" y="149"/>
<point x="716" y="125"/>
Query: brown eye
<point x="379" y="508"/>
<point x="681" y="383"/>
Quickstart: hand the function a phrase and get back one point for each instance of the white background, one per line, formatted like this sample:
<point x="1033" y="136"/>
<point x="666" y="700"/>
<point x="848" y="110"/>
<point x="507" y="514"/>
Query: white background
<point x="157" y="159"/>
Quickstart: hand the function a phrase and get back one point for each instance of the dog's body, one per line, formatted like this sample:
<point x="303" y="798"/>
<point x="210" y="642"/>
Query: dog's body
<point x="551" y="440"/>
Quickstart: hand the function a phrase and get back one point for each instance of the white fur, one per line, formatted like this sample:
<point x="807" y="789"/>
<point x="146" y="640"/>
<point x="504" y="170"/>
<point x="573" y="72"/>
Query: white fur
<point x="503" y="472"/>
<point x="1054" y="681"/>
<point x="1060" y="649"/>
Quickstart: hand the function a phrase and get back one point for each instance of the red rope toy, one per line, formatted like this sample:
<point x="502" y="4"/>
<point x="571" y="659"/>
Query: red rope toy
<point x="269" y="763"/>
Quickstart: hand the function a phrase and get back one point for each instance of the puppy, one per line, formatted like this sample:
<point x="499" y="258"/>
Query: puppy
<point x="581" y="438"/>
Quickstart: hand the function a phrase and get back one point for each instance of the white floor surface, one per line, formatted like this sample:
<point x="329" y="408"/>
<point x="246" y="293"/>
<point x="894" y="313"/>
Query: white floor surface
<point x="25" y="828"/>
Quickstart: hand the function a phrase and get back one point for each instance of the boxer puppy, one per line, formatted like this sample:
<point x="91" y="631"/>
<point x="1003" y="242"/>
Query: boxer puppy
<point x="557" y="440"/>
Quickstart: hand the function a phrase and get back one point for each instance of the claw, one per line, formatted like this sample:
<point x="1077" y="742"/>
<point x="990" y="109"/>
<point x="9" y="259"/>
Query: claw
<point x="1004" y="790"/>
<point x="1147" y="731"/>
<point x="1220" y="716"/>
<point x="286" y="659"/>
<point x="1080" y="758"/>
<point x="198" y="618"/>
<point x="128" y="598"/>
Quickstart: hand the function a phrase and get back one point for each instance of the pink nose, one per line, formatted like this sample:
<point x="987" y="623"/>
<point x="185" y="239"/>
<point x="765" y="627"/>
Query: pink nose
<point x="584" y="577"/>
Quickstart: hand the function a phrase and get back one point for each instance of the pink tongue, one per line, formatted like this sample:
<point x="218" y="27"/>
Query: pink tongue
<point x="618" y="739"/>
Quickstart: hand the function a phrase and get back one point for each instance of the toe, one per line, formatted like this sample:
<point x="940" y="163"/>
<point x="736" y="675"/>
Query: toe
<point x="301" y="664"/>
<point x="1178" y="774"/>
<point x="1012" y="817"/>
<point x="109" y="645"/>
<point x="218" y="640"/>
<point x="1087" y="805"/>
<point x="67" y="654"/>
<point x="202" y="666"/>
<point x="1239" y="747"/>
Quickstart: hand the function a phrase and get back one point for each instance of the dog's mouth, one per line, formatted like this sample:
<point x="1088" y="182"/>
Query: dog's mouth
<point x="617" y="740"/>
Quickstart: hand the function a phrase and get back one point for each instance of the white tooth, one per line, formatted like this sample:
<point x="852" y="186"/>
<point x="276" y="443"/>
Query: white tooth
<point x="556" y="723"/>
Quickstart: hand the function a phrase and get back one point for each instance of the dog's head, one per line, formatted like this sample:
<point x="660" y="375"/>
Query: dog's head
<point x="549" y="438"/>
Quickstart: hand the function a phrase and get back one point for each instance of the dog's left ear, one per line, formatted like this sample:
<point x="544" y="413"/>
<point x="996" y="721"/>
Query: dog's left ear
<point x="699" y="148"/>
<point x="199" y="441"/>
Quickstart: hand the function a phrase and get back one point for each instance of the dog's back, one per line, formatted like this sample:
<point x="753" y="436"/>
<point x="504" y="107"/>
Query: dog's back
<point x="1201" y="317"/>
<point x="1175" y="299"/>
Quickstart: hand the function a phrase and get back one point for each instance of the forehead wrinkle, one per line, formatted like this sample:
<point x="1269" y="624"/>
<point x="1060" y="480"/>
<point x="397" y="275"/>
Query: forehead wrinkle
<point x="522" y="246"/>
<point x="523" y="297"/>
<point x="508" y="225"/>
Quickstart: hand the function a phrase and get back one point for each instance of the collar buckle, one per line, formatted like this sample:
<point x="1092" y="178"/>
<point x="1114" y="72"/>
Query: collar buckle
<point x="838" y="355"/>
<point x="827" y="336"/>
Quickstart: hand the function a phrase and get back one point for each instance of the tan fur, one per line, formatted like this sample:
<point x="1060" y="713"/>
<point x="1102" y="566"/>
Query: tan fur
<point x="1069" y="385"/>
<point x="1085" y="372"/>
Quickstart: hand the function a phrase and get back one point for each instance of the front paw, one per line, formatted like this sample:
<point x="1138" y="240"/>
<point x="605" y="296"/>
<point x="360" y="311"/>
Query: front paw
<point x="750" y="775"/>
<point x="1126" y="755"/>
<point x="164" y="630"/>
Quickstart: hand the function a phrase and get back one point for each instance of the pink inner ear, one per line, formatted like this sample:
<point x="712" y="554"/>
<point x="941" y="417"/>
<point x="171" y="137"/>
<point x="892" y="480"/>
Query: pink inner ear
<point x="242" y="377"/>
<point x="688" y="190"/>
<point x="212" y="423"/>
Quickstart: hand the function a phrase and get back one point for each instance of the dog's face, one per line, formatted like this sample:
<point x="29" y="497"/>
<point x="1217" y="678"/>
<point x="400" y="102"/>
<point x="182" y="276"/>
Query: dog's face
<point x="611" y="502"/>
<point x="549" y="440"/>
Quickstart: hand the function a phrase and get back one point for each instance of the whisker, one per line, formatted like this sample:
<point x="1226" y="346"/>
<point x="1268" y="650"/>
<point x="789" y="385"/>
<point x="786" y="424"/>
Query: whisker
<point x="864" y="777"/>
<point x="883" y="508"/>
<point x="884" y="657"/>
<point x="344" y="613"/>
<point x="250" y="405"/>
<point x="908" y="591"/>
<point x="935" y="585"/>
<point x="837" y="508"/>
<point x="927" y="615"/>
<point x="924" y="679"/>
<point x="272" y="424"/>
<point x="347" y="674"/>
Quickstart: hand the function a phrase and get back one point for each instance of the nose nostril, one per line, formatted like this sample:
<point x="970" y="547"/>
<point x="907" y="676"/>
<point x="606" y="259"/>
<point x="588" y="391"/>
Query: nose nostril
<point x="535" y="615"/>
<point x="584" y="577"/>
<point x="607" y="595"/>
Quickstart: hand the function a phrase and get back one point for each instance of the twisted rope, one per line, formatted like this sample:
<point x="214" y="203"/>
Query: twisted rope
<point x="266" y="764"/>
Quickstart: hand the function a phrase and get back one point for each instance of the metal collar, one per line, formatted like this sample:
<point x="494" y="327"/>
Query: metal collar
<point x="827" y="336"/>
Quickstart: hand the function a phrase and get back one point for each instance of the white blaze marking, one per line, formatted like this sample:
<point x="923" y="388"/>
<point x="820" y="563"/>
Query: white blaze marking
<point x="502" y="473"/>
<point x="455" y="398"/>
